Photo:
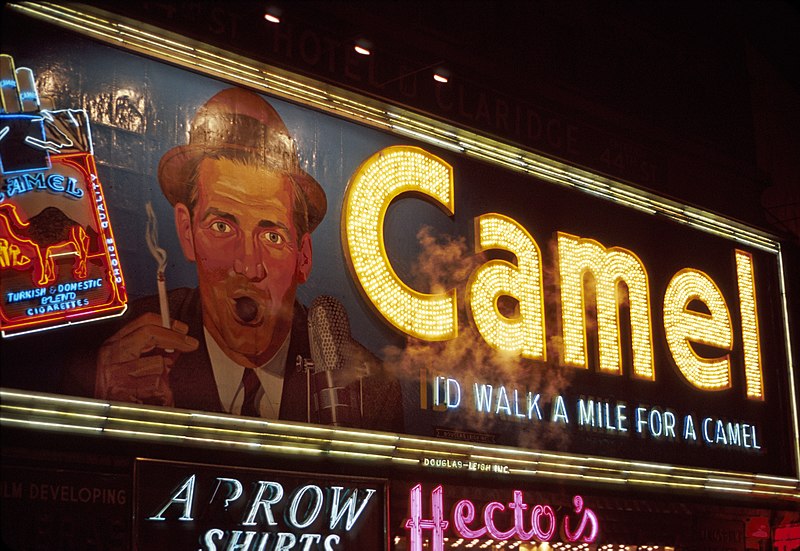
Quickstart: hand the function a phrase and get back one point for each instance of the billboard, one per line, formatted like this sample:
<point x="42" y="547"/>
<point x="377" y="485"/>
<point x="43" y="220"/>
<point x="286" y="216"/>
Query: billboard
<point x="285" y="263"/>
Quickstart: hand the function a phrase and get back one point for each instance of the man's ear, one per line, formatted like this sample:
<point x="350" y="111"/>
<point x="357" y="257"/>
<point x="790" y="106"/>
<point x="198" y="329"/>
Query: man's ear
<point x="183" y="225"/>
<point x="303" y="269"/>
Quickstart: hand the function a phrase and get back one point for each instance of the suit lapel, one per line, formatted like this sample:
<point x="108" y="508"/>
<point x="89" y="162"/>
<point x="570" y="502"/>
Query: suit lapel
<point x="192" y="377"/>
<point x="294" y="399"/>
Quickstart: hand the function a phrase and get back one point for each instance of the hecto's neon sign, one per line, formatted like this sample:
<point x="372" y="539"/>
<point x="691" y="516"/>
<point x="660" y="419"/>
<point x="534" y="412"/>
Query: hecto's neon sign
<point x="540" y="520"/>
<point x="399" y="170"/>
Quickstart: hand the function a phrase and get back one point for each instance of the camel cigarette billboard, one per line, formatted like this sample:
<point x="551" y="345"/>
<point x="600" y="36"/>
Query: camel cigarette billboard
<point x="285" y="263"/>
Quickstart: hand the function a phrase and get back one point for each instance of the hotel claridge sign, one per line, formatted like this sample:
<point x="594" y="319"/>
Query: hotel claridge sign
<point x="270" y="282"/>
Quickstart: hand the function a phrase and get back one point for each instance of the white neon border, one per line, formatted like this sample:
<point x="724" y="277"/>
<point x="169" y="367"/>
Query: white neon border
<point x="42" y="411"/>
<point x="166" y="46"/>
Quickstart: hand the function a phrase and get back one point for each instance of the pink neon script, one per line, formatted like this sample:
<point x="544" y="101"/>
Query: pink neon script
<point x="543" y="522"/>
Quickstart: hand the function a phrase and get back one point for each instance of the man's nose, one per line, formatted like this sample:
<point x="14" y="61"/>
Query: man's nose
<point x="249" y="262"/>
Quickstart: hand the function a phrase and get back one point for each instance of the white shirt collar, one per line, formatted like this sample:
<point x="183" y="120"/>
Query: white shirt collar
<point x="228" y="376"/>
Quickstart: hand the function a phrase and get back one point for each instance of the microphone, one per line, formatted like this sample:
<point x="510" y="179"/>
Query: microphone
<point x="336" y="356"/>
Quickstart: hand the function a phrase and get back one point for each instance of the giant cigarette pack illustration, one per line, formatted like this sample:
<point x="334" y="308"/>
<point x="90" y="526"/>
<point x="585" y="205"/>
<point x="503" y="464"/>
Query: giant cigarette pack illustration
<point x="59" y="264"/>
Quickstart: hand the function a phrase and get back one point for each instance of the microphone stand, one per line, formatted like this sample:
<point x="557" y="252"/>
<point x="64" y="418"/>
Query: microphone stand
<point x="307" y="365"/>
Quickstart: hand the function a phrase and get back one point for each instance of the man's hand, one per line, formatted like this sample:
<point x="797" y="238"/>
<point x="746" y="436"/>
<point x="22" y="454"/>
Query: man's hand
<point x="133" y="365"/>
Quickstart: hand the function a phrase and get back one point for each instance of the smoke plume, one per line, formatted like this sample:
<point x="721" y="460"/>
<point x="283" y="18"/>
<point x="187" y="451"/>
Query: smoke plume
<point x="446" y="262"/>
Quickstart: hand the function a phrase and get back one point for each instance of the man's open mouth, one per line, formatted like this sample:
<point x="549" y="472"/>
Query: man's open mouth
<point x="246" y="309"/>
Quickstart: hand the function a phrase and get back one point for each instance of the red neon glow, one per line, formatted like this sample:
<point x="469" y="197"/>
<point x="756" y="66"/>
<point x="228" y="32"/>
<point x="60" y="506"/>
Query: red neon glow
<point x="488" y="519"/>
<point x="543" y="522"/>
<point x="416" y="524"/>
<point x="587" y="517"/>
<point x="519" y="507"/>
<point x="536" y="515"/>
<point x="462" y="518"/>
<point x="18" y="251"/>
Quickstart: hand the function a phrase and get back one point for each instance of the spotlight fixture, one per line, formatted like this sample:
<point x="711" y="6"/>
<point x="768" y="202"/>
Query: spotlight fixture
<point x="273" y="14"/>
<point x="441" y="75"/>
<point x="363" y="46"/>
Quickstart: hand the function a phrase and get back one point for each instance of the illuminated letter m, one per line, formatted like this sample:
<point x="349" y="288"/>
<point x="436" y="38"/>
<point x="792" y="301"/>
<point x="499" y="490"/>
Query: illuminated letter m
<point x="608" y="267"/>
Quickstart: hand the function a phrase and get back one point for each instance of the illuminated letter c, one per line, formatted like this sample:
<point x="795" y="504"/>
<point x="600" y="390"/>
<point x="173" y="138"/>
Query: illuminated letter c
<point x="488" y="519"/>
<point x="382" y="178"/>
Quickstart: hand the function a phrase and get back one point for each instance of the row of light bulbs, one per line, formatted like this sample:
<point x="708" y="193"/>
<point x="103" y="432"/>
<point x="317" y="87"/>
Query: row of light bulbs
<point x="362" y="46"/>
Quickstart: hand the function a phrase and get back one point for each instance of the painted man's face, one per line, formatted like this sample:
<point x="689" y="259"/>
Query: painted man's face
<point x="249" y="259"/>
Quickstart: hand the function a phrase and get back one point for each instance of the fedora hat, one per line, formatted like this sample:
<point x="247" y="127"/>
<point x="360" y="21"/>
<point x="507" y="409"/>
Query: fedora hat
<point x="239" y="124"/>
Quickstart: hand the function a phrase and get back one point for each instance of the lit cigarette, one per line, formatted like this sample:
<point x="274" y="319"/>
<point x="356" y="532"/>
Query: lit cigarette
<point x="151" y="236"/>
<point x="162" y="299"/>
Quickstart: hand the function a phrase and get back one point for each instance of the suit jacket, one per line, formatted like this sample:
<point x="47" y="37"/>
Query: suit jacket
<point x="192" y="377"/>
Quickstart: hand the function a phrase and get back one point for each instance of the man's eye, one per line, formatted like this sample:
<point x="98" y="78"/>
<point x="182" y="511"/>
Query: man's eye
<point x="273" y="237"/>
<point x="220" y="227"/>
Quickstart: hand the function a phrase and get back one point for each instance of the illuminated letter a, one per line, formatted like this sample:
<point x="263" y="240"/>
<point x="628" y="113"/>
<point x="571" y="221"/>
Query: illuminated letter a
<point x="184" y="495"/>
<point x="523" y="331"/>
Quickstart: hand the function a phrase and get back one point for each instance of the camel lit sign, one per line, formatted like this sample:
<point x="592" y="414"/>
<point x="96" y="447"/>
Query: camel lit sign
<point x="403" y="170"/>
<point x="58" y="257"/>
